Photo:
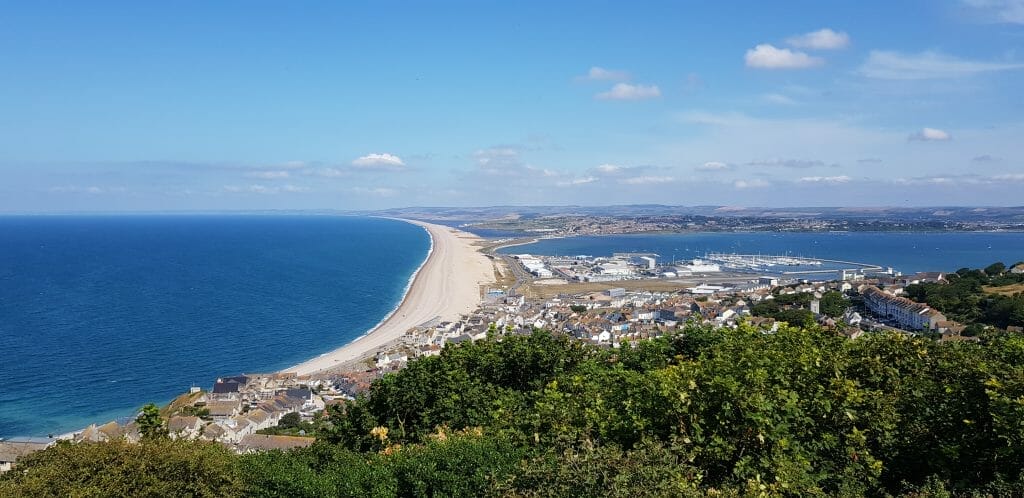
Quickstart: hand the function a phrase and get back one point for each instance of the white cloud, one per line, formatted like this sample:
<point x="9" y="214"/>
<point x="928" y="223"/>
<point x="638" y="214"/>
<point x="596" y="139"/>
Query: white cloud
<point x="754" y="183"/>
<point x="1009" y="177"/>
<point x="825" y="179"/>
<point x="626" y="91"/>
<point x="1008" y="11"/>
<point x="577" y="181"/>
<point x="541" y="171"/>
<point x="263" y="189"/>
<point x="890" y="65"/>
<point x="92" y="189"/>
<point x="646" y="180"/>
<point x="601" y="74"/>
<point x="930" y="180"/>
<point x="375" y="191"/>
<point x="268" y="175"/>
<point x="379" y="161"/>
<point x="930" y="135"/>
<point x="254" y="189"/>
<point x="823" y="39"/>
<point x="609" y="169"/>
<point x="497" y="157"/>
<point x="713" y="166"/>
<point x="332" y="172"/>
<point x="788" y="163"/>
<point x="960" y="180"/>
<point x="767" y="56"/>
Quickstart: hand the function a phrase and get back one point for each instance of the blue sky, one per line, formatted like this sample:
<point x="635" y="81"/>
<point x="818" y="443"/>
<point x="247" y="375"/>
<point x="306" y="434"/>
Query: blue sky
<point x="139" y="106"/>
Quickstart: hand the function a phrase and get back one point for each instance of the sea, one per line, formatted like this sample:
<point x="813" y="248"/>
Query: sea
<point x="906" y="252"/>
<point x="102" y="314"/>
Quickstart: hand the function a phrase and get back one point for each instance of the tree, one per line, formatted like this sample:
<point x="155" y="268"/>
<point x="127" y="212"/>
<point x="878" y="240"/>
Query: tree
<point x="800" y="411"/>
<point x="995" y="269"/>
<point x="159" y="467"/>
<point x="290" y="420"/>
<point x="833" y="304"/>
<point x="151" y="425"/>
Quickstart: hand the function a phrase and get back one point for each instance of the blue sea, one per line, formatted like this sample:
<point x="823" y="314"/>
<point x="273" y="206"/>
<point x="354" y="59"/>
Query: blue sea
<point x="903" y="251"/>
<point x="100" y="315"/>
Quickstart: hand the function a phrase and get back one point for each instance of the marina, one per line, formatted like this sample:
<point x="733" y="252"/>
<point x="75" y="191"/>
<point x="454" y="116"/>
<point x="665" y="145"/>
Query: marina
<point x="793" y="265"/>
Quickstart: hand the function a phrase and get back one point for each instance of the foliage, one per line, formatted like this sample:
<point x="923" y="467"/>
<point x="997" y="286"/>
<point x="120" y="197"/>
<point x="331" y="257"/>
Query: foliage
<point x="782" y="312"/>
<point x="290" y="420"/>
<point x="457" y="464"/>
<point x="995" y="269"/>
<point x="195" y="411"/>
<point x="151" y="425"/>
<point x="291" y="424"/>
<point x="732" y="412"/>
<point x="800" y="411"/>
<point x="157" y="467"/>
<point x="963" y="297"/>
<point x="833" y="304"/>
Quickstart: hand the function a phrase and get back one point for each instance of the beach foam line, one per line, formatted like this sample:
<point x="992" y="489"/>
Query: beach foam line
<point x="408" y="284"/>
<point x="445" y="286"/>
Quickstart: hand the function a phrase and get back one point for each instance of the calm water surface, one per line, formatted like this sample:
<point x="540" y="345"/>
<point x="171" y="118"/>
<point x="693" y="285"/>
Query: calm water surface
<point x="100" y="315"/>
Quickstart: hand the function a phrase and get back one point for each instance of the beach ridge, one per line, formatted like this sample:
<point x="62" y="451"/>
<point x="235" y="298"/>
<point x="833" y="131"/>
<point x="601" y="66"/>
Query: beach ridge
<point x="446" y="286"/>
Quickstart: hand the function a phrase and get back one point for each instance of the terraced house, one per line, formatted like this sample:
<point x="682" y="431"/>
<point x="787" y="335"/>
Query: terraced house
<point x="907" y="314"/>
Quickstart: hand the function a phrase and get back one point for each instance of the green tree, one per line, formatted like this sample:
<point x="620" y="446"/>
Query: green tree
<point x="995" y="269"/>
<point x="731" y="412"/>
<point x="833" y="304"/>
<point x="158" y="467"/>
<point x="290" y="420"/>
<point x="151" y="424"/>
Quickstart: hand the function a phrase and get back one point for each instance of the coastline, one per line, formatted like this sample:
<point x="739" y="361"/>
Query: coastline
<point x="445" y="286"/>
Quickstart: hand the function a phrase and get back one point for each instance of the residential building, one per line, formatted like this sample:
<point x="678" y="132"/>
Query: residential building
<point x="14" y="449"/>
<point x="906" y="314"/>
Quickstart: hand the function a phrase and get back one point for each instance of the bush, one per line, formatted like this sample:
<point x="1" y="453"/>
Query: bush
<point x="160" y="467"/>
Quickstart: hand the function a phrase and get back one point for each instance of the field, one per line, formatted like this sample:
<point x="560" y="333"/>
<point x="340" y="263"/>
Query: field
<point x="1005" y="290"/>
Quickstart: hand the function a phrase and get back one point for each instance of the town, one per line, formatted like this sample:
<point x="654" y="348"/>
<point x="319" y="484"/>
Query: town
<point x="241" y="411"/>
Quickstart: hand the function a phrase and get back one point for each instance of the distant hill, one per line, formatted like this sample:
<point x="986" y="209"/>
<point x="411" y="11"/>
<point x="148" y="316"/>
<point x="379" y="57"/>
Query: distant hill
<point x="934" y="213"/>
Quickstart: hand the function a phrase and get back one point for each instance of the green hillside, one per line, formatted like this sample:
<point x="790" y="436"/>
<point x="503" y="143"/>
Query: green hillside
<point x="722" y="412"/>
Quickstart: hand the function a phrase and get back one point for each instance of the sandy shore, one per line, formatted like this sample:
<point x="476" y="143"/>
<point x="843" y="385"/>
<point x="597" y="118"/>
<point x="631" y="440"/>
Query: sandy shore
<point x="446" y="286"/>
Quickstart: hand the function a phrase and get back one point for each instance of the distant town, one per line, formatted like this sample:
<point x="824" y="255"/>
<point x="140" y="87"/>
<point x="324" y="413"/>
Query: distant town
<point x="582" y="220"/>
<point x="606" y="301"/>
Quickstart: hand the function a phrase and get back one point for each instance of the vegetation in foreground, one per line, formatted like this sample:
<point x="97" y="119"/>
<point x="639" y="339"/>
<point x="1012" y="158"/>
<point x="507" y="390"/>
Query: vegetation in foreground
<point x="707" y="412"/>
<point x="990" y="296"/>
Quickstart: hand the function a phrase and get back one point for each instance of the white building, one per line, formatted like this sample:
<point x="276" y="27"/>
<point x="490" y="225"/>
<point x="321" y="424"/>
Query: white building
<point x="700" y="266"/>
<point x="705" y="289"/>
<point x="616" y="268"/>
<point x="907" y="314"/>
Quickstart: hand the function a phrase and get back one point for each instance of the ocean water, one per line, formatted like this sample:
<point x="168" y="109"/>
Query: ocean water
<point x="100" y="315"/>
<point x="905" y="252"/>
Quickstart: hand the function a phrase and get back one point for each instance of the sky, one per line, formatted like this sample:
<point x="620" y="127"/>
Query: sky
<point x="242" y="105"/>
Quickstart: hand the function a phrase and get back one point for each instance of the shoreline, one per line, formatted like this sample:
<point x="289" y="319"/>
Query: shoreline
<point x="459" y="247"/>
<point x="445" y="286"/>
<point x="405" y="294"/>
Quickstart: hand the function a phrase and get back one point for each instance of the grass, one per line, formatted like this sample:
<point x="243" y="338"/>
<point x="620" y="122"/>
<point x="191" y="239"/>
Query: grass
<point x="180" y="402"/>
<point x="1005" y="290"/>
